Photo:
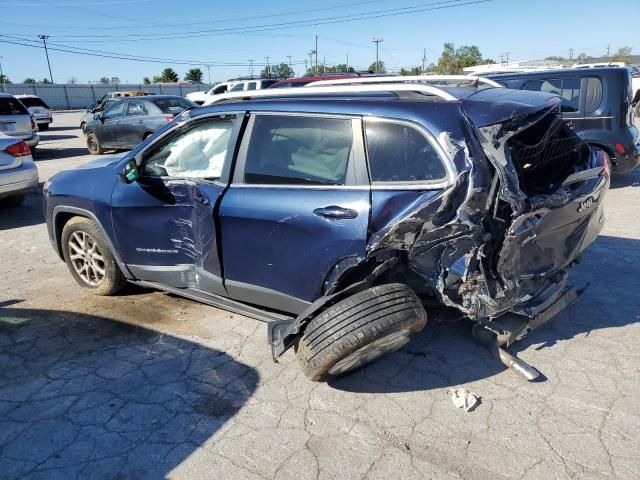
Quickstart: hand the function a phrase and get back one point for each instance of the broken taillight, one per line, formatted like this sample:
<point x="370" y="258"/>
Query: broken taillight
<point x="19" y="149"/>
<point x="34" y="125"/>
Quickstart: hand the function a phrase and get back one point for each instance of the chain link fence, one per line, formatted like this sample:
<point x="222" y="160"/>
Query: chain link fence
<point x="74" y="96"/>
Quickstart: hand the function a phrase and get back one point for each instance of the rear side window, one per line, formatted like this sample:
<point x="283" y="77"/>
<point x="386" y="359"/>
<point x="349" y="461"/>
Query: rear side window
<point x="237" y="88"/>
<point x="137" y="108"/>
<point x="33" y="102"/>
<point x="593" y="95"/>
<point x="568" y="89"/>
<point x="12" y="106"/>
<point x="401" y="153"/>
<point x="295" y="150"/>
<point x="172" y="106"/>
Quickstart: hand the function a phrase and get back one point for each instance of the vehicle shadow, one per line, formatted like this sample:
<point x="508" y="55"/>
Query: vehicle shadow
<point x="626" y="179"/>
<point x="444" y="355"/>
<point x="45" y="137"/>
<point x="27" y="214"/>
<point x="90" y="397"/>
<point x="43" y="153"/>
<point x="61" y="129"/>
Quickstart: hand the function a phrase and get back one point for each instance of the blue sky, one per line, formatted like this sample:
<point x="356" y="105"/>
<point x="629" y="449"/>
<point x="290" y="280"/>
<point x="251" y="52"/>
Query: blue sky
<point x="219" y="33"/>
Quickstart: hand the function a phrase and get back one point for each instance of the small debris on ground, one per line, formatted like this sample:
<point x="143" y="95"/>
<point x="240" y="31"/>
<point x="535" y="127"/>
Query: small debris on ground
<point x="463" y="398"/>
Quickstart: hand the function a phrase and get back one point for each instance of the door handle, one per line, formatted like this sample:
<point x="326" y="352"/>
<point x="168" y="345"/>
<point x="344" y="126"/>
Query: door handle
<point x="336" y="212"/>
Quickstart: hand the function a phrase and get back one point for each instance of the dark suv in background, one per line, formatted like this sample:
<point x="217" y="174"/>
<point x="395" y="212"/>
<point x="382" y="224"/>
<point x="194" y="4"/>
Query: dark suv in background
<point x="596" y="104"/>
<point x="336" y="217"/>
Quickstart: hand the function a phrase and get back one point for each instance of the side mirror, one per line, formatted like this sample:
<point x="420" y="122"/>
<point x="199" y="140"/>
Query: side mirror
<point x="130" y="171"/>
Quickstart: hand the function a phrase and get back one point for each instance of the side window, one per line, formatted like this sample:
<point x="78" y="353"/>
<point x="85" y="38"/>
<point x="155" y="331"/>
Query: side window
<point x="401" y="153"/>
<point x="238" y="87"/>
<point x="568" y="90"/>
<point x="571" y="94"/>
<point x="252" y="85"/>
<point x="220" y="89"/>
<point x="199" y="152"/>
<point x="136" y="108"/>
<point x="593" y="95"/>
<point x="114" y="111"/>
<point x="296" y="150"/>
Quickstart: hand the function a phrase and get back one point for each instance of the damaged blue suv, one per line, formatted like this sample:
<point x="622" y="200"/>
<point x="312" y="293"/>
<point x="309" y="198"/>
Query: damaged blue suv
<point x="342" y="214"/>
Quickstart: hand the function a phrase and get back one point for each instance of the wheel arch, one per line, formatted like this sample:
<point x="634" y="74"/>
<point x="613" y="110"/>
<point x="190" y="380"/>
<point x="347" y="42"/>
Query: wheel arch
<point x="61" y="216"/>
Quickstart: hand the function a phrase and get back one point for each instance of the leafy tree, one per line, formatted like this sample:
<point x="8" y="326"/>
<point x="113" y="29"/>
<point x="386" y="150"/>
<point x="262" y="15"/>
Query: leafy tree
<point x="29" y="81"/>
<point x="282" y="71"/>
<point x="4" y="79"/>
<point x="146" y="81"/>
<point x="453" y="60"/>
<point x="582" y="57"/>
<point x="168" y="75"/>
<point x="195" y="75"/>
<point x="266" y="72"/>
<point x="410" y="71"/>
<point x="379" y="68"/>
<point x="556" y="58"/>
<point x="156" y="79"/>
<point x="45" y="81"/>
<point x="115" y="80"/>
<point x="622" y="55"/>
<point x="104" y="80"/>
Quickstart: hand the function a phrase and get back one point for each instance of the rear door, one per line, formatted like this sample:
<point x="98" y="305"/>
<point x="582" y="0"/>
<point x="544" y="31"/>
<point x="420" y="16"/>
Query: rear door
<point x="298" y="205"/>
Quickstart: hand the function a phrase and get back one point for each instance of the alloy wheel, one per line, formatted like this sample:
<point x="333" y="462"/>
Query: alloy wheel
<point x="86" y="258"/>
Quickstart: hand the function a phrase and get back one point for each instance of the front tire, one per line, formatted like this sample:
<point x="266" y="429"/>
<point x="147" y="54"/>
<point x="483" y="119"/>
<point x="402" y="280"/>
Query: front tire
<point x="88" y="257"/>
<point x="93" y="144"/>
<point x="358" y="330"/>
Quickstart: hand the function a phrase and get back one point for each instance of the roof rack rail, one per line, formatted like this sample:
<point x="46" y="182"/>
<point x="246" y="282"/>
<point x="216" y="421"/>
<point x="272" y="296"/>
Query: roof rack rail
<point x="408" y="78"/>
<point x="323" y="90"/>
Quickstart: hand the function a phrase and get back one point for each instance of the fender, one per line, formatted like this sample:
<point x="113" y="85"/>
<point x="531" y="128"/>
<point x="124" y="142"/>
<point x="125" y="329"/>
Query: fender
<point x="86" y="213"/>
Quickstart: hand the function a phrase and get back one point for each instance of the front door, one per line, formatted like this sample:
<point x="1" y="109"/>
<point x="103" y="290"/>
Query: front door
<point x="108" y="130"/>
<point x="164" y="223"/>
<point x="297" y="209"/>
<point x="132" y="125"/>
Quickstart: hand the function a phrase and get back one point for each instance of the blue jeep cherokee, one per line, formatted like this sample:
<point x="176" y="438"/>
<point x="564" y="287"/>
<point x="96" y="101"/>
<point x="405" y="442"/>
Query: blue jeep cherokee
<point x="339" y="217"/>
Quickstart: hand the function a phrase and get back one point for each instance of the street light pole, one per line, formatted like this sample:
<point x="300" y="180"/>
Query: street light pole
<point x="209" y="73"/>
<point x="44" y="40"/>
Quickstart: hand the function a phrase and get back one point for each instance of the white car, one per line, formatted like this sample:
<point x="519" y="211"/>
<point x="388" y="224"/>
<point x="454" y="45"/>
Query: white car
<point x="18" y="172"/>
<point x="39" y="109"/>
<point x="202" y="98"/>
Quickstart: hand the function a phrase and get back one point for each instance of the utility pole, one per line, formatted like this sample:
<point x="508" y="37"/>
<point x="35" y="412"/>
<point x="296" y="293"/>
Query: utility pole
<point x="316" y="51"/>
<point x="501" y="59"/>
<point x="311" y="59"/>
<point x="377" y="42"/>
<point x="608" y="51"/>
<point x="44" y="40"/>
<point x="324" y="64"/>
<point x="209" y="73"/>
<point x="251" y="68"/>
<point x="424" y="59"/>
<point x="571" y="54"/>
<point x="347" y="61"/>
<point x="1" y="72"/>
<point x="507" y="55"/>
<point x="268" y="70"/>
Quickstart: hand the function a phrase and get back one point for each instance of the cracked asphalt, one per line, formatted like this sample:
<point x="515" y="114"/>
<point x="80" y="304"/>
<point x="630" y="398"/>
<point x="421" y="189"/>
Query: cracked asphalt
<point x="147" y="385"/>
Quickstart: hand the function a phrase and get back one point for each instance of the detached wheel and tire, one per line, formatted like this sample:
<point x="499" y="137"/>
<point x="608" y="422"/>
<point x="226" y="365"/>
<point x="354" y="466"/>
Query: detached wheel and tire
<point x="93" y="144"/>
<point x="88" y="257"/>
<point x="359" y="330"/>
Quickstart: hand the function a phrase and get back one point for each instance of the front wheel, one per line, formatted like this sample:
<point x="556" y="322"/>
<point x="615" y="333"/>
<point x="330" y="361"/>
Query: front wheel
<point x="93" y="144"/>
<point x="88" y="257"/>
<point x="358" y="330"/>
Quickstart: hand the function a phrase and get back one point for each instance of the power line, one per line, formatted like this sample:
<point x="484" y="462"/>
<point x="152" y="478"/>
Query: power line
<point x="433" y="6"/>
<point x="124" y="57"/>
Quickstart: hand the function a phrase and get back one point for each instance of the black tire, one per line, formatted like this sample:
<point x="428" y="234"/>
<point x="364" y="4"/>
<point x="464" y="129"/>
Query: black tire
<point x="112" y="279"/>
<point x="13" y="201"/>
<point x="93" y="144"/>
<point x="358" y="330"/>
<point x="82" y="125"/>
<point x="43" y="126"/>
